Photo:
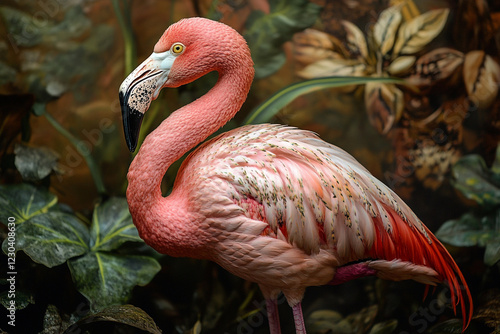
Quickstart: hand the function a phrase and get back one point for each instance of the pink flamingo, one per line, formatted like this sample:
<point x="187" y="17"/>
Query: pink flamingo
<point x="271" y="204"/>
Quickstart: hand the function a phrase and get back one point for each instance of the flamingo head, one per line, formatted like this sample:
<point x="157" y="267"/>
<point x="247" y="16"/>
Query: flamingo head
<point x="186" y="51"/>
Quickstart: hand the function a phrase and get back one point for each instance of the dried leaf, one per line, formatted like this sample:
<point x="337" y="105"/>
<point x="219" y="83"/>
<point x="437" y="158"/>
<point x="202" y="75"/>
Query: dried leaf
<point x="355" y="39"/>
<point x="414" y="35"/>
<point x="401" y="65"/>
<point x="121" y="316"/>
<point x="489" y="311"/>
<point x="385" y="327"/>
<point x="481" y="77"/>
<point x="436" y="65"/>
<point x="312" y="45"/>
<point x="330" y="68"/>
<point x="384" y="104"/>
<point x="386" y="27"/>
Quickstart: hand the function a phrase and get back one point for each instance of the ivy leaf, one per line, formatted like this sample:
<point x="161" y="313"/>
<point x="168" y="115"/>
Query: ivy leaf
<point x="35" y="163"/>
<point x="121" y="315"/>
<point x="112" y="225"/>
<point x="52" y="238"/>
<point x="415" y="34"/>
<point x="463" y="232"/>
<point x="106" y="279"/>
<point x="474" y="179"/>
<point x="24" y="201"/>
<point x="23" y="298"/>
<point x="266" y="33"/>
<point x="492" y="251"/>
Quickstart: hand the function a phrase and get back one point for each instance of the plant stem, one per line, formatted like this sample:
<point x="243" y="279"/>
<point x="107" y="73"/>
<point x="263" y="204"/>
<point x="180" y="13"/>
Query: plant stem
<point x="128" y="38"/>
<point x="81" y="147"/>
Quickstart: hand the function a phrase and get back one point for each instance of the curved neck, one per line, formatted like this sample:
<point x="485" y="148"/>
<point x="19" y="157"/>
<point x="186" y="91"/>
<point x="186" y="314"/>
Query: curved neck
<point x="176" y="135"/>
<point x="183" y="130"/>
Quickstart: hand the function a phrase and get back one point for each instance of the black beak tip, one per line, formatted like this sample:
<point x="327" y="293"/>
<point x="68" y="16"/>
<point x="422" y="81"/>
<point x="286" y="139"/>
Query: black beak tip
<point x="132" y="120"/>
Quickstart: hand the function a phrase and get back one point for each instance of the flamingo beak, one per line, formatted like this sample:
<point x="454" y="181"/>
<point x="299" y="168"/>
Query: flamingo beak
<point x="138" y="90"/>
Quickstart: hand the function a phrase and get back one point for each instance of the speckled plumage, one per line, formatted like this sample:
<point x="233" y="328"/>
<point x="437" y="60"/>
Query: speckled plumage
<point x="273" y="204"/>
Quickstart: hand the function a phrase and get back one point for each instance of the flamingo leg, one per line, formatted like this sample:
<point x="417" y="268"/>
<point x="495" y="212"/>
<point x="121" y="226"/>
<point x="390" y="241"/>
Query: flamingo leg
<point x="273" y="316"/>
<point x="300" y="327"/>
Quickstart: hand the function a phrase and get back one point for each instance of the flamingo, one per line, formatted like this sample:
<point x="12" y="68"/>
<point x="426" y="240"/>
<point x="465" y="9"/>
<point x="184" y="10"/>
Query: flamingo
<point x="272" y="204"/>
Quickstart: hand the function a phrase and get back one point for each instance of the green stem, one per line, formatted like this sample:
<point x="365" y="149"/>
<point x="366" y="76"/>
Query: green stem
<point x="81" y="147"/>
<point x="128" y="37"/>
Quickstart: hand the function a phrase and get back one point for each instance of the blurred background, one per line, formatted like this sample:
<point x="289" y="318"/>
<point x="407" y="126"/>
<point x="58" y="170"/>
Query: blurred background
<point x="434" y="141"/>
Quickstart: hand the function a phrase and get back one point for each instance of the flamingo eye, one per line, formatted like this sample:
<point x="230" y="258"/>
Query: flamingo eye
<point x="177" y="48"/>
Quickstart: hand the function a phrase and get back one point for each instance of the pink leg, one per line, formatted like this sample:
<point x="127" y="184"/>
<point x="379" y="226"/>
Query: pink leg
<point x="273" y="316"/>
<point x="300" y="327"/>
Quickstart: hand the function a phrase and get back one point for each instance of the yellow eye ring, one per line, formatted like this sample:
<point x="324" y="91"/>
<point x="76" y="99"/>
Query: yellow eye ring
<point x="177" y="48"/>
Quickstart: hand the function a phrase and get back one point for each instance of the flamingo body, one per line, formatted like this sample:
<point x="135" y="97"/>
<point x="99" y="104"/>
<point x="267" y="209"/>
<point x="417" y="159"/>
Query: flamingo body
<point x="272" y="204"/>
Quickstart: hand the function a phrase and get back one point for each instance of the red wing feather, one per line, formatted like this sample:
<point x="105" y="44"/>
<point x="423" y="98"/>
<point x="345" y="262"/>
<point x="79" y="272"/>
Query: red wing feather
<point x="418" y="248"/>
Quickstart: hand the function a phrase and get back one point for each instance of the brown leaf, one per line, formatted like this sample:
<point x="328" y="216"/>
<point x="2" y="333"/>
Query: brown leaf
<point x="119" y="315"/>
<point x="312" y="45"/>
<point x="328" y="68"/>
<point x="386" y="27"/>
<point x="401" y="65"/>
<point x="481" y="77"/>
<point x="436" y="65"/>
<point x="355" y="39"/>
<point x="414" y="35"/>
<point x="384" y="104"/>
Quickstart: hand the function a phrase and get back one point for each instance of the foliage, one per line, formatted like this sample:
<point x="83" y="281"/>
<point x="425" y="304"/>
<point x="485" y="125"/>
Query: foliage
<point x="480" y="227"/>
<point x="119" y="317"/>
<point x="51" y="236"/>
<point x="64" y="63"/>
<point x="388" y="50"/>
<point x="269" y="108"/>
<point x="266" y="33"/>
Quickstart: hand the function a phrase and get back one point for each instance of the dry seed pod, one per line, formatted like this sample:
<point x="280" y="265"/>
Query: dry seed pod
<point x="481" y="77"/>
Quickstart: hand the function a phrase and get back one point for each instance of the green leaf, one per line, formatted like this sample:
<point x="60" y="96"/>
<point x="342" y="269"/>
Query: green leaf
<point x="269" y="108"/>
<point x="112" y="225"/>
<point x="35" y="163"/>
<point x="22" y="298"/>
<point x="474" y="179"/>
<point x="106" y="279"/>
<point x="52" y="238"/>
<point x="22" y="27"/>
<point x="266" y="33"/>
<point x="23" y="201"/>
<point x="492" y="251"/>
<point x="127" y="315"/>
<point x="495" y="168"/>
<point x="466" y="231"/>
<point x="452" y="326"/>
<point x="55" y="321"/>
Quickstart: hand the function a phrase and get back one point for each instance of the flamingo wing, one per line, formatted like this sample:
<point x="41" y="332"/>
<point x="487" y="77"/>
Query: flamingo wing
<point x="314" y="195"/>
